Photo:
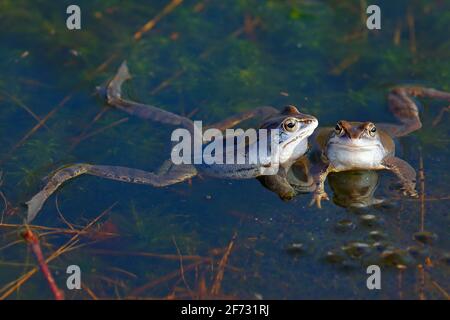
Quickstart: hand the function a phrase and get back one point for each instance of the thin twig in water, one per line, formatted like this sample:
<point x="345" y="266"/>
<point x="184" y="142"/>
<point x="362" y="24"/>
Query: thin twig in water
<point x="441" y="290"/>
<point x="8" y="289"/>
<point x="412" y="33"/>
<point x="397" y="33"/>
<point x="136" y="292"/>
<point x="35" y="128"/>
<point x="89" y="291"/>
<point x="78" y="139"/>
<point x="425" y="199"/>
<point x="151" y="23"/>
<point x="100" y="130"/>
<point x="11" y="244"/>
<point x="33" y="241"/>
<point x="181" y="265"/>
<point x="104" y="65"/>
<point x="5" y="204"/>
<point x="202" y="56"/>
<point x="440" y="116"/>
<point x="147" y="254"/>
<point x="53" y="230"/>
<point x="421" y="284"/>
<point x="24" y="106"/>
<point x="61" y="215"/>
<point x="215" y="289"/>
<point x="345" y="64"/>
<point x="422" y="191"/>
<point x="123" y="271"/>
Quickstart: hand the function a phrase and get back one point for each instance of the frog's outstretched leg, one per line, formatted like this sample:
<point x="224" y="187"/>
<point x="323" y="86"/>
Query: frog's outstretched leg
<point x="405" y="173"/>
<point x="405" y="109"/>
<point x="167" y="175"/>
<point x="144" y="111"/>
<point x="148" y="112"/>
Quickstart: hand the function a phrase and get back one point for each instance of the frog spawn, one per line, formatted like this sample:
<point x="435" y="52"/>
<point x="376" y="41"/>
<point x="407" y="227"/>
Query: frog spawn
<point x="376" y="247"/>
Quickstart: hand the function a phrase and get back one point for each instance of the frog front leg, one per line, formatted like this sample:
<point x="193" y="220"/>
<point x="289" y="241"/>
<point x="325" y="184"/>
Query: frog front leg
<point x="278" y="183"/>
<point x="405" y="173"/>
<point x="320" y="172"/>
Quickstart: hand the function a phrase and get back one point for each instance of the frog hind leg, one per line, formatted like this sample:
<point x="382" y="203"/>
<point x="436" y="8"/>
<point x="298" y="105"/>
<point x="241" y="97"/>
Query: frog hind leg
<point x="114" y="98"/>
<point x="405" y="173"/>
<point x="113" y="93"/>
<point x="405" y="108"/>
<point x="167" y="175"/>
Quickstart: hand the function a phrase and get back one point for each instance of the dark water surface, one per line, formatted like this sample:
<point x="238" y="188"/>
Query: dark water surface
<point x="317" y="55"/>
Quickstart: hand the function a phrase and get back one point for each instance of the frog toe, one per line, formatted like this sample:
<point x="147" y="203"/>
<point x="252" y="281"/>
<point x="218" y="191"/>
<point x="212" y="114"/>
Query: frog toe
<point x="317" y="199"/>
<point x="410" y="193"/>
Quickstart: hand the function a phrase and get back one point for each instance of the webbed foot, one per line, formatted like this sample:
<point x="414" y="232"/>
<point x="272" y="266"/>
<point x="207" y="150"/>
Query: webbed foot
<point x="318" y="196"/>
<point x="409" y="191"/>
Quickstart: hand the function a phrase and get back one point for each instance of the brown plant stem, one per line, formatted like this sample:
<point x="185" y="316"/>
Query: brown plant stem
<point x="7" y="290"/>
<point x="152" y="22"/>
<point x="33" y="242"/>
<point x="34" y="129"/>
<point x="215" y="289"/>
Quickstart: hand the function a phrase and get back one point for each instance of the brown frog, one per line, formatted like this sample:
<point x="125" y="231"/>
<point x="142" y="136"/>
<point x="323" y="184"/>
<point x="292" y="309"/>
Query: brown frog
<point x="366" y="146"/>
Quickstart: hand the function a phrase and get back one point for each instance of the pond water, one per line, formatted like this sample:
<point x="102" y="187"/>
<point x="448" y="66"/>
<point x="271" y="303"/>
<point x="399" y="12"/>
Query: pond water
<point x="209" y="60"/>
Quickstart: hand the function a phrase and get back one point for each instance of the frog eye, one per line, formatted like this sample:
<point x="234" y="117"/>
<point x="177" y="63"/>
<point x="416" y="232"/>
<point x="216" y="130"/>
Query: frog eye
<point x="372" y="131"/>
<point x="290" y="125"/>
<point x="338" y="129"/>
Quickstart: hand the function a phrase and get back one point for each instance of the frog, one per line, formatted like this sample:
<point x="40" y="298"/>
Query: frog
<point x="364" y="145"/>
<point x="292" y="127"/>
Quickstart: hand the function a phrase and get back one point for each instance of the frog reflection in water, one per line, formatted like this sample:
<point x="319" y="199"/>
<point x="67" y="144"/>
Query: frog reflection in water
<point x="353" y="146"/>
<point x="292" y="127"/>
<point x="354" y="189"/>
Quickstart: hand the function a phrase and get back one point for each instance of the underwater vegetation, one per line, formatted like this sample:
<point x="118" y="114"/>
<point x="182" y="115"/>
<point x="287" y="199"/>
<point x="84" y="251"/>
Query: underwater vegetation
<point x="212" y="238"/>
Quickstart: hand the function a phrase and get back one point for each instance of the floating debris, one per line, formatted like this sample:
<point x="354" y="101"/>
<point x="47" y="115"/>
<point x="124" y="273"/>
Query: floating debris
<point x="368" y="220"/>
<point x="333" y="257"/>
<point x="345" y="225"/>
<point x="208" y="197"/>
<point x="395" y="257"/>
<point x="377" y="235"/>
<point x="356" y="249"/>
<point x="74" y="52"/>
<point x="380" y="246"/>
<point x="295" y="248"/>
<point x="425" y="237"/>
<point x="258" y="296"/>
<point x="417" y="252"/>
<point x="445" y="259"/>
<point x="25" y="54"/>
